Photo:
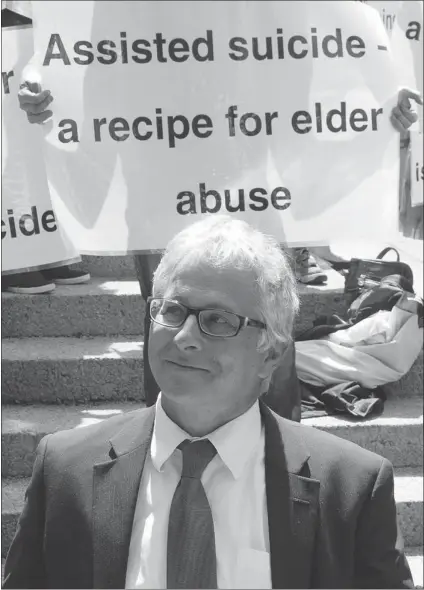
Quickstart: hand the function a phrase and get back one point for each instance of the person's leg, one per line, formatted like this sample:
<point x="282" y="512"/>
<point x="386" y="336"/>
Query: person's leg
<point x="27" y="283"/>
<point x="284" y="393"/>
<point x="66" y="275"/>
<point x="145" y="265"/>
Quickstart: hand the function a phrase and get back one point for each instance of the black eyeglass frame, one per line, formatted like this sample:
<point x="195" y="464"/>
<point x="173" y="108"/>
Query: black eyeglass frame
<point x="244" y="321"/>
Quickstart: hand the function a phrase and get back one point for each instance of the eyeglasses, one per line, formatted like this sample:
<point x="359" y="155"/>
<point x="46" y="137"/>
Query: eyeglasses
<point x="213" y="322"/>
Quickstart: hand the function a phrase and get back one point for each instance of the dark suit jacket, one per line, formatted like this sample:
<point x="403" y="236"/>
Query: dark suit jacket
<point x="331" y="509"/>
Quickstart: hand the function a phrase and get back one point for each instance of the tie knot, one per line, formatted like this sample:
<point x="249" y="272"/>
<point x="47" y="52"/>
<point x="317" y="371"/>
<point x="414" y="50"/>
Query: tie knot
<point x="196" y="457"/>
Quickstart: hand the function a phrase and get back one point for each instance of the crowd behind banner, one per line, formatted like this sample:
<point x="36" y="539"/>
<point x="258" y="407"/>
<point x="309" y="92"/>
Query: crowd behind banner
<point x="32" y="236"/>
<point x="83" y="171"/>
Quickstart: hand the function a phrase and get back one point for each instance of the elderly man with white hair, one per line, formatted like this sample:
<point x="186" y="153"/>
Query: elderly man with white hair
<point x="209" y="488"/>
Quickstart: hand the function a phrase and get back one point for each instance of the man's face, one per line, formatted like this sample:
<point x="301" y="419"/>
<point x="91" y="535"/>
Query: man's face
<point x="218" y="373"/>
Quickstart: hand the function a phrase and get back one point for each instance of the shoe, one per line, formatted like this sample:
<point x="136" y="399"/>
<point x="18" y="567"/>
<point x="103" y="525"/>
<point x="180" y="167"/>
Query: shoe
<point x="63" y="275"/>
<point x="306" y="268"/>
<point x="27" y="283"/>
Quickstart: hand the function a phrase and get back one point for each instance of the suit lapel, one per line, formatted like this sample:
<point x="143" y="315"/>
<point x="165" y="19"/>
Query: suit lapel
<point x="115" y="490"/>
<point x="292" y="501"/>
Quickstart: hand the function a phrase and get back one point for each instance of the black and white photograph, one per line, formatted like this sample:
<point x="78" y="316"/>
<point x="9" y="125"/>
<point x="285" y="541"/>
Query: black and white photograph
<point x="212" y="294"/>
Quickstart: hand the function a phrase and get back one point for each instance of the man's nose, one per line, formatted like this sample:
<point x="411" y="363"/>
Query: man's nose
<point x="189" y="335"/>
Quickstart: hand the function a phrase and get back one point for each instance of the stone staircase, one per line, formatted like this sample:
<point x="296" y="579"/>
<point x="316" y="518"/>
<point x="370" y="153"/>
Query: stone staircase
<point x="74" y="357"/>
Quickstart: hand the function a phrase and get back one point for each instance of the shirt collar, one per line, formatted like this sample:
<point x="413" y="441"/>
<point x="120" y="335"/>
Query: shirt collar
<point x="234" y="441"/>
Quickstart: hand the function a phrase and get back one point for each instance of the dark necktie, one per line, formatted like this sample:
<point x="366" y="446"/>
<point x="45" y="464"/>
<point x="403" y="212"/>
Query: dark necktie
<point x="191" y="556"/>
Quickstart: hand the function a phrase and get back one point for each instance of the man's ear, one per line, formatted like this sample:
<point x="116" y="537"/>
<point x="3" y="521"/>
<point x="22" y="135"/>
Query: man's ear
<point x="272" y="358"/>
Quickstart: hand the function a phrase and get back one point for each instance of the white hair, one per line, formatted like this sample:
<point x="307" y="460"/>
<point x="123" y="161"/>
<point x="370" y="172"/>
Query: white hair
<point x="223" y="242"/>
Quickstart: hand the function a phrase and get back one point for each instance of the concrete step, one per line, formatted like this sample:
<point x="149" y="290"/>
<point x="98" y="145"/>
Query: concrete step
<point x="106" y="307"/>
<point x="410" y="384"/>
<point x="408" y="495"/>
<point x="414" y="556"/>
<point x="69" y="370"/>
<point x="101" y="368"/>
<point x="409" y="503"/>
<point x="396" y="435"/>
<point x="115" y="267"/>
<point x="122" y="267"/>
<point x="24" y="426"/>
<point x="99" y="308"/>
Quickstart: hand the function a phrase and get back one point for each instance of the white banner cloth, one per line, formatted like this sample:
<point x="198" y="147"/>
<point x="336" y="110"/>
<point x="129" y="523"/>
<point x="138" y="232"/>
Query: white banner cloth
<point x="31" y="235"/>
<point x="273" y="112"/>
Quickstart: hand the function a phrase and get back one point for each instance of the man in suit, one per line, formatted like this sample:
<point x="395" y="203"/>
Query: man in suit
<point x="210" y="488"/>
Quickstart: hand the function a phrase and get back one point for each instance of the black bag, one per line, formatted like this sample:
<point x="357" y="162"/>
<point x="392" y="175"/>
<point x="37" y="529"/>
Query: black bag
<point x="364" y="274"/>
<point x="383" y="297"/>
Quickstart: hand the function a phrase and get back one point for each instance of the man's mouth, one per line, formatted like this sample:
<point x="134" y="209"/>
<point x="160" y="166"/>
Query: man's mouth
<point x="186" y="366"/>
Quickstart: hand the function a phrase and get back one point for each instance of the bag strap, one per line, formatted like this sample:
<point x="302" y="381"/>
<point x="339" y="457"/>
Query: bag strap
<point x="385" y="251"/>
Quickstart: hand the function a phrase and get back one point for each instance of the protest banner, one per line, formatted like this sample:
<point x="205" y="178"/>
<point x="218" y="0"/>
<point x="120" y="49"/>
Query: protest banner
<point x="31" y="236"/>
<point x="388" y="11"/>
<point x="403" y="20"/>
<point x="408" y="44"/>
<point x="417" y="170"/>
<point x="272" y="112"/>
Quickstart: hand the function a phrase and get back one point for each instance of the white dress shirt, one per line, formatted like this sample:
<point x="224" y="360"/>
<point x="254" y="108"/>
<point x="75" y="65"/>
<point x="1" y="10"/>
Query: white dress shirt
<point x="234" y="483"/>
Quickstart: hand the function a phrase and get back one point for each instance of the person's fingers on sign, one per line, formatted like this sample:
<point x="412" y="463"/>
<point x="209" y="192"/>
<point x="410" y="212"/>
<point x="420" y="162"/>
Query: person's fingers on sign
<point x="403" y="115"/>
<point x="35" y="101"/>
